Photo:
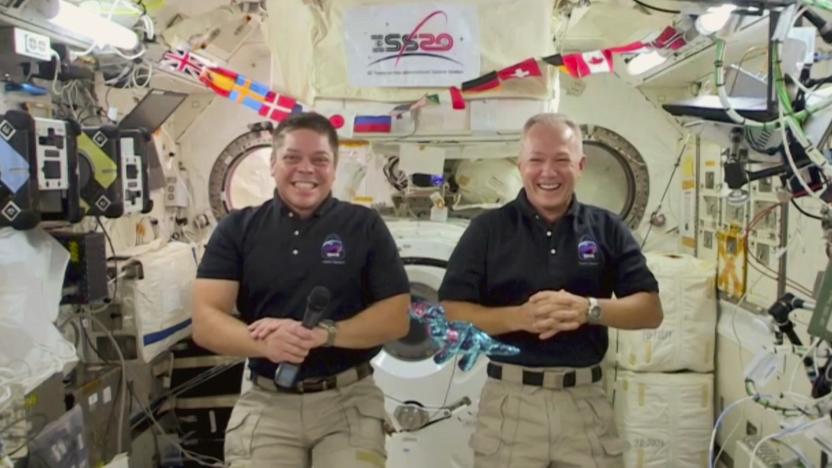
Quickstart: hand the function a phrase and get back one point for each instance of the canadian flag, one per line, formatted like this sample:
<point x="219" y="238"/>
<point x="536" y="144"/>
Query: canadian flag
<point x="528" y="67"/>
<point x="588" y="63"/>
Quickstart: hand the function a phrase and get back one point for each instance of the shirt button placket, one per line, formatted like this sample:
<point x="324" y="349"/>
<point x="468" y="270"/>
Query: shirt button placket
<point x="295" y="235"/>
<point x="553" y="251"/>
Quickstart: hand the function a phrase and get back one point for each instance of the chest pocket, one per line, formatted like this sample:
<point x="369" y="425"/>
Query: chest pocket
<point x="591" y="266"/>
<point x="339" y="263"/>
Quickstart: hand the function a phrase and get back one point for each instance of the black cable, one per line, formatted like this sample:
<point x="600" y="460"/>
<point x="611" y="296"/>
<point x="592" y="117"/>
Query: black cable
<point x="804" y="212"/>
<point x="654" y="8"/>
<point x="666" y="188"/>
<point x="815" y="82"/>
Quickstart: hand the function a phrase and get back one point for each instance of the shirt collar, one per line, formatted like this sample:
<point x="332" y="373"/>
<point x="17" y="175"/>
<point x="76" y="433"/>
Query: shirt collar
<point x="529" y="210"/>
<point x="325" y="206"/>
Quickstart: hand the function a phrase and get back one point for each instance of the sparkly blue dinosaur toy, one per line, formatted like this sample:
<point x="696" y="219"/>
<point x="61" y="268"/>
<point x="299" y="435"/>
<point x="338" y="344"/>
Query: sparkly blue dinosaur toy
<point x="456" y="337"/>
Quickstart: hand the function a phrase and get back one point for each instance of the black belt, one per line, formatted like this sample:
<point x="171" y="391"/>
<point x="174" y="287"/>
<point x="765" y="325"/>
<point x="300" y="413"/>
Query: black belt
<point x="558" y="380"/>
<point x="317" y="384"/>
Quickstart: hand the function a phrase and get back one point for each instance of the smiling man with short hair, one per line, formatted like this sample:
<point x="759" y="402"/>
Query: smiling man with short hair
<point x="266" y="260"/>
<point x="539" y="273"/>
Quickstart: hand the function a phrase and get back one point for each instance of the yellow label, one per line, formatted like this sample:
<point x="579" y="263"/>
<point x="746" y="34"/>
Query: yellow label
<point x="688" y="163"/>
<point x="688" y="184"/>
<point x="74" y="252"/>
<point x="30" y="402"/>
<point x="689" y="242"/>
<point x="372" y="458"/>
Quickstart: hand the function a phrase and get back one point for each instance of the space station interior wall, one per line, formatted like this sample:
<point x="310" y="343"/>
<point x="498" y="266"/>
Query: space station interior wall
<point x="508" y="35"/>
<point x="222" y="120"/>
<point x="603" y="101"/>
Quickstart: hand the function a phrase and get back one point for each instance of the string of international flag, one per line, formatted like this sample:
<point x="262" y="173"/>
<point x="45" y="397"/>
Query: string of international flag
<point x="277" y="106"/>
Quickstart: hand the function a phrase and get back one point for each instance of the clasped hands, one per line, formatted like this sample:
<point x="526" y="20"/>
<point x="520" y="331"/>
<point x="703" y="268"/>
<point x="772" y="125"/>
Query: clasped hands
<point x="548" y="313"/>
<point x="286" y="340"/>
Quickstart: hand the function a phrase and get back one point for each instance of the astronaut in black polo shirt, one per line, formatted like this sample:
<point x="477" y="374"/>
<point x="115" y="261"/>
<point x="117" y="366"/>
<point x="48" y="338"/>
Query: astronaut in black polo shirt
<point x="266" y="260"/>
<point x="539" y="273"/>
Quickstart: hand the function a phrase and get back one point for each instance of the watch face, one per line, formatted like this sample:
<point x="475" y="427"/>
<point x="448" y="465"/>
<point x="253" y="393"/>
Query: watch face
<point x="594" y="312"/>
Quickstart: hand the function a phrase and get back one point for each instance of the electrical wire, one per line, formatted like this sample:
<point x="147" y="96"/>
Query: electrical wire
<point x="785" y="432"/>
<point x="200" y="459"/>
<point x="666" y="188"/>
<point x="804" y="212"/>
<point x="655" y="8"/>
<point x="722" y="416"/>
<point x="122" y="408"/>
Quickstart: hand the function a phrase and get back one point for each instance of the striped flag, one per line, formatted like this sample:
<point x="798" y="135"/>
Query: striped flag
<point x="483" y="83"/>
<point x="252" y="94"/>
<point x="372" y="124"/>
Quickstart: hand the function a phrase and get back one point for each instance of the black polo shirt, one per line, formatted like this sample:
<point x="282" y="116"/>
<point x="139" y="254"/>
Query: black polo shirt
<point x="278" y="258"/>
<point x="509" y="254"/>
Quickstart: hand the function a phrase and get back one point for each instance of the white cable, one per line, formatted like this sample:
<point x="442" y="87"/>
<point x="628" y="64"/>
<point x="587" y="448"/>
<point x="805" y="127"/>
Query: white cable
<point x="790" y="158"/>
<point x="203" y="460"/>
<point x="800" y="365"/>
<point x="188" y="454"/>
<point x="57" y="56"/>
<point x="722" y="415"/>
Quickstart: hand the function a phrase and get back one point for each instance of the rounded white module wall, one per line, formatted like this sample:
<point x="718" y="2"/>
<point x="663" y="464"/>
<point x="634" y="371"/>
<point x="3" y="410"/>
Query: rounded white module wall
<point x="666" y="419"/>
<point x="686" y="338"/>
<point x="415" y="387"/>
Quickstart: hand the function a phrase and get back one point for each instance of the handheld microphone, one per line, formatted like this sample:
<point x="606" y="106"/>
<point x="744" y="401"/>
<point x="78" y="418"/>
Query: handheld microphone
<point x="316" y="305"/>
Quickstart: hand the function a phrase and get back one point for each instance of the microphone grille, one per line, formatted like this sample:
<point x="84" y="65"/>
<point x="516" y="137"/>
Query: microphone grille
<point x="319" y="297"/>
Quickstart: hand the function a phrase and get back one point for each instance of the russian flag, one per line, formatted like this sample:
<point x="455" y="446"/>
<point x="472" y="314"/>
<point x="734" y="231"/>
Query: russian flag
<point x="373" y="124"/>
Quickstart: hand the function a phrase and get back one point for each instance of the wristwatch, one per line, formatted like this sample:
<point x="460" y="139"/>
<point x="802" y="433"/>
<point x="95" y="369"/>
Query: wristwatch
<point x="331" y="331"/>
<point x="593" y="314"/>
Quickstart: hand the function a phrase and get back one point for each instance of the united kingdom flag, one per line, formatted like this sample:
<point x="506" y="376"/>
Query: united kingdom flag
<point x="183" y="62"/>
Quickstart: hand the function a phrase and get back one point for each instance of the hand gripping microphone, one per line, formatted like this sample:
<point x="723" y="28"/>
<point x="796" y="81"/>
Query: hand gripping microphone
<point x="316" y="305"/>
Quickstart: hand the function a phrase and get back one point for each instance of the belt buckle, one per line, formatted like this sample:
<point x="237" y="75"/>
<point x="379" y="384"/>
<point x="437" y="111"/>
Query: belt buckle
<point x="314" y="385"/>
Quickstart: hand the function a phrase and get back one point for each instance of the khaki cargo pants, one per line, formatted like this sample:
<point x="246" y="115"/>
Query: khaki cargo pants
<point x="337" y="428"/>
<point x="526" y="426"/>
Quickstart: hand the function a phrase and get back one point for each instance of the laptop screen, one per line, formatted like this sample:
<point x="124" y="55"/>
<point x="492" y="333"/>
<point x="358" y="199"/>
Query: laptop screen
<point x="150" y="113"/>
<point x="153" y="110"/>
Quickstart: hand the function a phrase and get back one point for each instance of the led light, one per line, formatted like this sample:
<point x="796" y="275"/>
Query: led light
<point x="93" y="27"/>
<point x="714" y="19"/>
<point x="643" y="62"/>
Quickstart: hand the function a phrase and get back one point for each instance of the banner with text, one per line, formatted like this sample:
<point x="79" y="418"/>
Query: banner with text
<point x="412" y="45"/>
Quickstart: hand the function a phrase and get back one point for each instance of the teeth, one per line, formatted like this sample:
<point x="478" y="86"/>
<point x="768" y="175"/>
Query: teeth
<point x="549" y="186"/>
<point x="305" y="185"/>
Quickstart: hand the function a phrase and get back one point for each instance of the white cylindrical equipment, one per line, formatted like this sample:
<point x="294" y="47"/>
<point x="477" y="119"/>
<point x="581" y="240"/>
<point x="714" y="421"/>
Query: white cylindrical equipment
<point x="415" y="387"/>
